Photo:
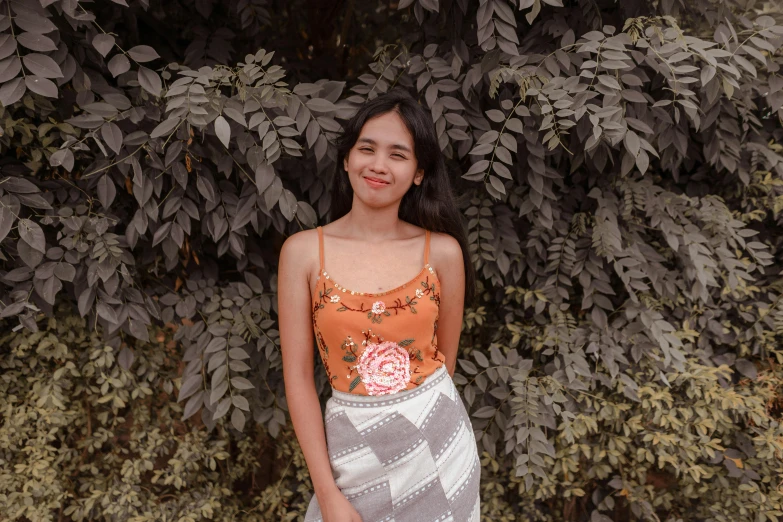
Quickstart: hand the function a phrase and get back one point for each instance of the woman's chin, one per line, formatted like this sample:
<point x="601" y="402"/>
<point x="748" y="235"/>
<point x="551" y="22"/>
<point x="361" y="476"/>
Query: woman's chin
<point x="373" y="200"/>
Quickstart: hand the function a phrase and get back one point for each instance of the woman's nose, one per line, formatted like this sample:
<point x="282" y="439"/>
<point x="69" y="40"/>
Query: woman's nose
<point x="379" y="163"/>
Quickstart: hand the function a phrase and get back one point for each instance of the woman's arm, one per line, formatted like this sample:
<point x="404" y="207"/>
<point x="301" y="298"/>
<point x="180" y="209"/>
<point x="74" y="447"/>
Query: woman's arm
<point x="446" y="259"/>
<point x="296" y="342"/>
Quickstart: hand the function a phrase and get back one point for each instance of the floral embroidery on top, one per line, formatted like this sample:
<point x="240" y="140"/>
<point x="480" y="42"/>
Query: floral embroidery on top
<point x="379" y="309"/>
<point x="319" y="338"/>
<point x="437" y="356"/>
<point x="349" y="346"/>
<point x="384" y="368"/>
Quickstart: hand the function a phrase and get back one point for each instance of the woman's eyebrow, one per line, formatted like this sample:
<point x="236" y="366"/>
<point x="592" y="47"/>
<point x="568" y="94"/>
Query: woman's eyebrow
<point x="396" y="146"/>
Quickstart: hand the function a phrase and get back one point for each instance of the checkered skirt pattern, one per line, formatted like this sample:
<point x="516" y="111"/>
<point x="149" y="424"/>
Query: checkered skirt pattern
<point x="406" y="457"/>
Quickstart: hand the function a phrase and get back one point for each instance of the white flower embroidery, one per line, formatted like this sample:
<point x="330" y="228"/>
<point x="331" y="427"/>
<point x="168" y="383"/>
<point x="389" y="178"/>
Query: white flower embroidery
<point x="378" y="307"/>
<point x="335" y="298"/>
<point x="419" y="293"/>
<point x="384" y="368"/>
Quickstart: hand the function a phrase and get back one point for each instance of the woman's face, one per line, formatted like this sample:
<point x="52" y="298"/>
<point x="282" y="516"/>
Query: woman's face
<point x="381" y="165"/>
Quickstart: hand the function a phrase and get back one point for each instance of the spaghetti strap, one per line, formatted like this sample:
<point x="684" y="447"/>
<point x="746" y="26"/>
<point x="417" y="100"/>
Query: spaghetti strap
<point x="426" y="247"/>
<point x="320" y="249"/>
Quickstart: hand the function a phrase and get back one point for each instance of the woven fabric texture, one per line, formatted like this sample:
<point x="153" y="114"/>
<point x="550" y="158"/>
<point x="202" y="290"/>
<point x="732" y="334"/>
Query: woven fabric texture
<point x="406" y="457"/>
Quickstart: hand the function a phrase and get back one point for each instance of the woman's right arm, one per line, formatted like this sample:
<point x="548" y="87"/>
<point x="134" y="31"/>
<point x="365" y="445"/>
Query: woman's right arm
<point x="296" y="341"/>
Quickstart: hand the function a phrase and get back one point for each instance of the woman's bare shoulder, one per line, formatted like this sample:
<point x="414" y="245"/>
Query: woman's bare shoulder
<point x="445" y="251"/>
<point x="300" y="250"/>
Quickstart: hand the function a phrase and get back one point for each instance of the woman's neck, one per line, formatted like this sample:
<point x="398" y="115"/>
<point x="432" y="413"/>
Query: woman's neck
<point x="373" y="223"/>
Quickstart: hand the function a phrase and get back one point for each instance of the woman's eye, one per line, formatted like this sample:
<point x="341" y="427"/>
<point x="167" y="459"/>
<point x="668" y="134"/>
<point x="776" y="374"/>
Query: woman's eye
<point x="398" y="156"/>
<point x="365" y="149"/>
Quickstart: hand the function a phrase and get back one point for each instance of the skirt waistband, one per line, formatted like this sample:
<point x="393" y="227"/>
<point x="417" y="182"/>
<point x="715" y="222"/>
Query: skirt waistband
<point x="373" y="401"/>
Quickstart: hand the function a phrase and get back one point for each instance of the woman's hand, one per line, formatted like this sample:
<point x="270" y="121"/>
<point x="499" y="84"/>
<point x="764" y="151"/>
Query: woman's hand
<point x="336" y="508"/>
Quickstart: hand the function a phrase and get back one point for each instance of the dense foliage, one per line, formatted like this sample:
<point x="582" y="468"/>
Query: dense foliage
<point x="620" y="167"/>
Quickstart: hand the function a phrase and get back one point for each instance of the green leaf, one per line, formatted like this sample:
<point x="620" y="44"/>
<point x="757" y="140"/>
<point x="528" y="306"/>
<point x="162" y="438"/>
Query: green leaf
<point x="112" y="135"/>
<point x="149" y="81"/>
<point x="36" y="42"/>
<point x="41" y="65"/>
<point x="216" y="344"/>
<point x="468" y="366"/>
<point x="241" y="383"/>
<point x="238" y="419"/>
<point x="193" y="405"/>
<point x="165" y="127"/>
<point x="287" y="204"/>
<point x="497" y="184"/>
<point x="119" y="64"/>
<point x="7" y="45"/>
<point x="7" y="219"/>
<point x="189" y="387"/>
<point x="222" y="408"/>
<point x="10" y="68"/>
<point x="320" y="105"/>
<point x="240" y="402"/>
<point x="495" y="115"/>
<point x="142" y="53"/>
<point x="223" y="130"/>
<point x="32" y="234"/>
<point x="11" y="92"/>
<point x="103" y="43"/>
<point x="62" y="157"/>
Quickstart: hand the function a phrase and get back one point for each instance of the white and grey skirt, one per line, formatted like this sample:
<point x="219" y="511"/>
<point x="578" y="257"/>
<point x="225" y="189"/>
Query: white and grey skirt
<point x="410" y="456"/>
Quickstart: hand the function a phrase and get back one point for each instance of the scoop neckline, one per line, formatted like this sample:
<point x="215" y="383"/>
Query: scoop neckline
<point x="343" y="290"/>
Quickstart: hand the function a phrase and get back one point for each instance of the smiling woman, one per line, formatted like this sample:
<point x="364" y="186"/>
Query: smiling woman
<point x="397" y="441"/>
<point x="383" y="158"/>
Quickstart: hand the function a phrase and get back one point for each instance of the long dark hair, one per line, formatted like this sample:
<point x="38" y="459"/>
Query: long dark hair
<point x="431" y="204"/>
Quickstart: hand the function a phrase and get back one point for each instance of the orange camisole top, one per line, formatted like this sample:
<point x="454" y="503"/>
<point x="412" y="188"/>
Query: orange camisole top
<point x="377" y="343"/>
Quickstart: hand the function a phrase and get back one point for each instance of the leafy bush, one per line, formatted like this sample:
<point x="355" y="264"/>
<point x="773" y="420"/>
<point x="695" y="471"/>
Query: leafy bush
<point x="620" y="170"/>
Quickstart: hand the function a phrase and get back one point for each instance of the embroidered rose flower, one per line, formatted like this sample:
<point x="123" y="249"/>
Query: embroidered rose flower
<point x="378" y="307"/>
<point x="384" y="368"/>
<point x="335" y="298"/>
<point x="419" y="293"/>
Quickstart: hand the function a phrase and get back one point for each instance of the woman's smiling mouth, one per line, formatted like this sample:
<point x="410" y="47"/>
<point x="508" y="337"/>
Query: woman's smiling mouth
<point x="375" y="182"/>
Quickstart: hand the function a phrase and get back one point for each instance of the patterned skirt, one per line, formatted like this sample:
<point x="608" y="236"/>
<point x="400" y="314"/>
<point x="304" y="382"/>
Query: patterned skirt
<point x="410" y="456"/>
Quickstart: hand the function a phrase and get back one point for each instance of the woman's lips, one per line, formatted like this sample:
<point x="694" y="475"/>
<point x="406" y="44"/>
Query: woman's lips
<point x="375" y="182"/>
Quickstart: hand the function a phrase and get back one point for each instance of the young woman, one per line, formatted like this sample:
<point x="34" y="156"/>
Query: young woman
<point x="396" y="442"/>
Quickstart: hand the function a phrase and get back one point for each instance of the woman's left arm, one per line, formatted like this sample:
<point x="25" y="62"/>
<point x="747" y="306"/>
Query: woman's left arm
<point x="447" y="261"/>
